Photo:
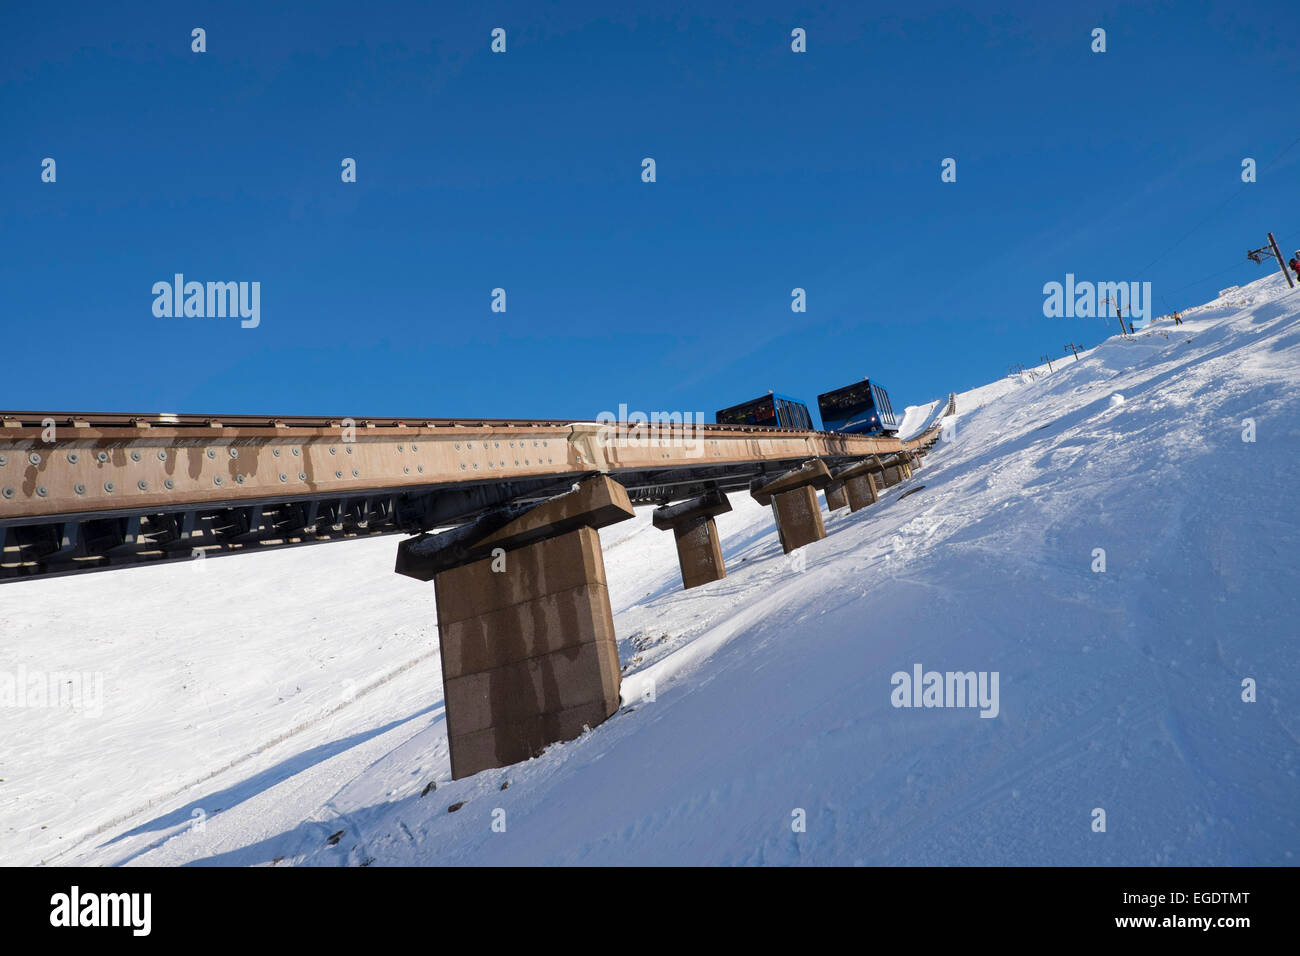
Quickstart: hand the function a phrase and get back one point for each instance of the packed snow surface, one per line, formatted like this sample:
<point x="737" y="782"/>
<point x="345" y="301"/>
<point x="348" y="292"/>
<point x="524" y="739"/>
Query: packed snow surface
<point x="1126" y="566"/>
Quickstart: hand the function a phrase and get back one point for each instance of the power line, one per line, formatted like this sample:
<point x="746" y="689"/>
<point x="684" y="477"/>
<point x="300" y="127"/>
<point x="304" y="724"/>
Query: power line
<point x="1216" y="209"/>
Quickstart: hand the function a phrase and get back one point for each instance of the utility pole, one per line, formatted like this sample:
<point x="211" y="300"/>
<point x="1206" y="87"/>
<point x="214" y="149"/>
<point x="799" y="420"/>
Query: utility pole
<point x="1280" y="261"/>
<point x="1119" y="314"/>
<point x="1072" y="348"/>
<point x="1048" y="360"/>
<point x="1257" y="256"/>
<point x="1115" y="302"/>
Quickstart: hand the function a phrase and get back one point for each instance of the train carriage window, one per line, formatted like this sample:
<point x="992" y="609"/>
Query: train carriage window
<point x="771" y="411"/>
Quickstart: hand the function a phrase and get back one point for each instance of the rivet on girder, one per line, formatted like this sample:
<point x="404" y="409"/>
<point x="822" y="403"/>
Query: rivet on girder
<point x="399" y="448"/>
<point x="135" y="456"/>
<point x="8" y="492"/>
<point x="216" y="479"/>
<point x="3" y="460"/>
<point x="275" y="452"/>
<point x="420" y="469"/>
<point x="211" y="453"/>
<point x="162" y="454"/>
<point x="302" y="476"/>
<point x="462" y="466"/>
<point x="415" y="448"/>
<point x="406" y="469"/>
<point x="295" y="453"/>
<point x="283" y="476"/>
<point x="108" y="486"/>
<point x="142" y="485"/>
<point x="102" y="457"/>
<point x="355" y="474"/>
<point x="458" y="446"/>
<point x="169" y="484"/>
<point x="338" y="474"/>
<point x="40" y="490"/>
<point x="34" y="458"/>
<point x="348" y="449"/>
<point x="234" y="453"/>
<point x="79" y="488"/>
<point x="72" y="458"/>
<point x="333" y="450"/>
<point x="239" y="479"/>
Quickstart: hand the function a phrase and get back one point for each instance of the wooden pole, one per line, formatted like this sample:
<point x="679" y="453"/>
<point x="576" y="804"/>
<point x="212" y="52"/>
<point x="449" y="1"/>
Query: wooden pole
<point x="1280" y="261"/>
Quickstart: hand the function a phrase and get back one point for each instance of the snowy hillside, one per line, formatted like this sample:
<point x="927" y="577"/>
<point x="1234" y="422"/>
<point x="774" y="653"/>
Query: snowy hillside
<point x="285" y="707"/>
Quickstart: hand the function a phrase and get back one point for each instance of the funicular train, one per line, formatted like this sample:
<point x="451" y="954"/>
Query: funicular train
<point x="862" y="408"/>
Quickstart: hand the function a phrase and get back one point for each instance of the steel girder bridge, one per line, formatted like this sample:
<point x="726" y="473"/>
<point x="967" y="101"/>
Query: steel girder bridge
<point x="88" y="491"/>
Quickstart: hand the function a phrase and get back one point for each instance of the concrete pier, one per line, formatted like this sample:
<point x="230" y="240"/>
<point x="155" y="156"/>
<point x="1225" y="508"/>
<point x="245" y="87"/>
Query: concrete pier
<point x="836" y="497"/>
<point x="859" y="481"/>
<point x="793" y="497"/>
<point x="529" y="655"/>
<point x="699" y="551"/>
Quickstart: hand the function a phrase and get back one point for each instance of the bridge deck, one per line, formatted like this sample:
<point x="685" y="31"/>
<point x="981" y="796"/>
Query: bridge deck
<point x="80" y="491"/>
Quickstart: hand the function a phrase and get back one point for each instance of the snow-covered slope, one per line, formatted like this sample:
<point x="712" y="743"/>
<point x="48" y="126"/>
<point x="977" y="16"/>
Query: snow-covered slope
<point x="286" y="707"/>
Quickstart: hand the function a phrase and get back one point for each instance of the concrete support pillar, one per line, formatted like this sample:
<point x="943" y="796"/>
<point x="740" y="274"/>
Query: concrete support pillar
<point x="858" y="479"/>
<point x="836" y="497"/>
<point x="861" y="491"/>
<point x="699" y="552"/>
<point x="893" y="475"/>
<point x="529" y="655"/>
<point x="793" y="497"/>
<point x="798" y="518"/>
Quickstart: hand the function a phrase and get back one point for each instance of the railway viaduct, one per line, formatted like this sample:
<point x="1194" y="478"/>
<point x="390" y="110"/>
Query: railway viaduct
<point x="528" y="649"/>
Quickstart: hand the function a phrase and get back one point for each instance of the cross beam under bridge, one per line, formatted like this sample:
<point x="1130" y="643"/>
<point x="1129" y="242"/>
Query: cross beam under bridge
<point x="87" y="491"/>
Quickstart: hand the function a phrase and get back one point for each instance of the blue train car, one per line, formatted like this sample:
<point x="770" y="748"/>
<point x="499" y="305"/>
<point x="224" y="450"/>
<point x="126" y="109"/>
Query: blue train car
<point x="772" y="410"/>
<point x="859" y="409"/>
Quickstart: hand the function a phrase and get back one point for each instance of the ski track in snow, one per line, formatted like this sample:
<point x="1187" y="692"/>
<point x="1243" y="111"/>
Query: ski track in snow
<point x="255" y="708"/>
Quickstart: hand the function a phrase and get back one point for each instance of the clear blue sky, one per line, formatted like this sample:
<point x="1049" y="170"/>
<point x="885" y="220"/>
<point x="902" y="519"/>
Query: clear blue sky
<point x="523" y="171"/>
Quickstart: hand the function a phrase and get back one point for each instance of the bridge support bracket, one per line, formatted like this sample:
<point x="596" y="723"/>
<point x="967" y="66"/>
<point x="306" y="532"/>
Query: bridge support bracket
<point x="859" y="482"/>
<point x="529" y="656"/>
<point x="897" y="472"/>
<point x="793" y="497"/>
<point x="699" y="552"/>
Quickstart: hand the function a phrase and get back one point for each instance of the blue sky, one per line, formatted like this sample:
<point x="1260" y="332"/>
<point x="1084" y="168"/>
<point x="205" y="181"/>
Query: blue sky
<point x="522" y="170"/>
